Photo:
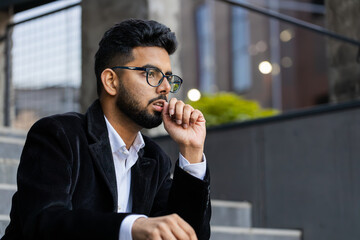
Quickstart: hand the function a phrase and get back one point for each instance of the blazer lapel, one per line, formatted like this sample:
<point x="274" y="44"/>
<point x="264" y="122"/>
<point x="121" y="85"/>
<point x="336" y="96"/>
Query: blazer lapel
<point x="141" y="175"/>
<point x="104" y="163"/>
<point x="100" y="149"/>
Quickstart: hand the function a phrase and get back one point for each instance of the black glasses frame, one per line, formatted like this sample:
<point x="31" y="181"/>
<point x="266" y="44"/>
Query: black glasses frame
<point x="168" y="77"/>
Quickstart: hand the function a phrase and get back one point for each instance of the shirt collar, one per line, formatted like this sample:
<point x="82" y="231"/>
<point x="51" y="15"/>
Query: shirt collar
<point x="117" y="143"/>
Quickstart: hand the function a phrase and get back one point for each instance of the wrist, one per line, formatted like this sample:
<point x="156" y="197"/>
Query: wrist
<point x="136" y="228"/>
<point x="192" y="154"/>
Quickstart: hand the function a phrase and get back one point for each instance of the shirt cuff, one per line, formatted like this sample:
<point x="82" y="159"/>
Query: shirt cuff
<point x="126" y="226"/>
<point x="197" y="170"/>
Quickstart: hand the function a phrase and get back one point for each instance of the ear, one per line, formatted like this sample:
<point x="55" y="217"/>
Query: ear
<point x="109" y="80"/>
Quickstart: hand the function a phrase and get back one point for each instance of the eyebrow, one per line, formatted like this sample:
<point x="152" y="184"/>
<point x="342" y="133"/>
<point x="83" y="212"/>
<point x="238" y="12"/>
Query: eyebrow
<point x="152" y="66"/>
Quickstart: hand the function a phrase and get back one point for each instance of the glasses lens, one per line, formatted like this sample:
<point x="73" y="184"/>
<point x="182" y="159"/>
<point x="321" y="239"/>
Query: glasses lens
<point x="175" y="83"/>
<point x="154" y="76"/>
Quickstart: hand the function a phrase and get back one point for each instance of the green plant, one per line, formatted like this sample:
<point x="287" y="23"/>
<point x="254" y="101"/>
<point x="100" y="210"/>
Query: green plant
<point x="221" y="108"/>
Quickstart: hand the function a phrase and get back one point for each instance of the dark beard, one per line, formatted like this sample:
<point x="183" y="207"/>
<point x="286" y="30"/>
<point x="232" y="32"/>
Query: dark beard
<point x="131" y="108"/>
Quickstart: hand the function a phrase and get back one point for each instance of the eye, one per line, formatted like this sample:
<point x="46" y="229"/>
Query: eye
<point x="151" y="73"/>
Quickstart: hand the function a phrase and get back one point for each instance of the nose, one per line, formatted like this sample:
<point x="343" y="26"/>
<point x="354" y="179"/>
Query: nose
<point x="164" y="87"/>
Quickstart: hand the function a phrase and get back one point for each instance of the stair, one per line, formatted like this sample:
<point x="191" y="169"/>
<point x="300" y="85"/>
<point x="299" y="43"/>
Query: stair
<point x="232" y="221"/>
<point x="227" y="213"/>
<point x="234" y="233"/>
<point x="11" y="144"/>
<point x="4" y="221"/>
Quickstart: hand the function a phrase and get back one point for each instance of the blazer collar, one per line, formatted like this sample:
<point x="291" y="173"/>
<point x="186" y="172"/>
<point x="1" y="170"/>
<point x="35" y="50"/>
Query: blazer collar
<point x="100" y="148"/>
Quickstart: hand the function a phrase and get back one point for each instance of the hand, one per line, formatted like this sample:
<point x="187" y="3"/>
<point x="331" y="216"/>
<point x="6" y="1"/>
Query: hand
<point x="186" y="126"/>
<point x="168" y="227"/>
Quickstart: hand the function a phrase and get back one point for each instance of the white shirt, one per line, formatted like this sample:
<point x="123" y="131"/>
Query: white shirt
<point x="124" y="159"/>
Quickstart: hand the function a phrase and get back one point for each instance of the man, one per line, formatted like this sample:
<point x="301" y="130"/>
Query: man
<point x="94" y="176"/>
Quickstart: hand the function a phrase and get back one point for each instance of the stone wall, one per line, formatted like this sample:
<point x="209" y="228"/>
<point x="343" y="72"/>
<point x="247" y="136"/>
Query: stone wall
<point x="97" y="17"/>
<point x="344" y="71"/>
<point x="4" y="20"/>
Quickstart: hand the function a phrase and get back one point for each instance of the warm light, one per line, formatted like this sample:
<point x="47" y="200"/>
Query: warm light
<point x="286" y="62"/>
<point x="265" y="67"/>
<point x="252" y="50"/>
<point x="261" y="46"/>
<point x="194" y="95"/>
<point x="286" y="35"/>
<point x="275" y="69"/>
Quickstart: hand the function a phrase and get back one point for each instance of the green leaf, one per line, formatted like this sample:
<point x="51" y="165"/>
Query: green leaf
<point x="223" y="107"/>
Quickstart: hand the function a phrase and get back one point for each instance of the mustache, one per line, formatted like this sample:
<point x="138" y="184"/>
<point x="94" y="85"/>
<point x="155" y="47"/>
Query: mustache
<point x="161" y="97"/>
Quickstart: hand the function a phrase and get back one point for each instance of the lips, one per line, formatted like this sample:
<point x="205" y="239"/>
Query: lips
<point x="158" y="105"/>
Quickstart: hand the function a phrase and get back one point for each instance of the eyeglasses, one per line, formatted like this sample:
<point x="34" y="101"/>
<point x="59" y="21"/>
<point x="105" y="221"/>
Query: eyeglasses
<point x="154" y="77"/>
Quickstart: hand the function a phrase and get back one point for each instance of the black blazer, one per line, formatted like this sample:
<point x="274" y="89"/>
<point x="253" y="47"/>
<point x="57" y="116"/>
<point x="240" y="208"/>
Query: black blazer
<point x="67" y="185"/>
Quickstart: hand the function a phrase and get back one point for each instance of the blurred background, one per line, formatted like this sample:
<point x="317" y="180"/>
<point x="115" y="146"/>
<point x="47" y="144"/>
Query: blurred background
<point x="278" y="80"/>
<point x="48" y="48"/>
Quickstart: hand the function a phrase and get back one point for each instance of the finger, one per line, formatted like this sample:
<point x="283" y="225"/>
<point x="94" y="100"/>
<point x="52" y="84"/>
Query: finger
<point x="172" y="103"/>
<point x="166" y="231"/>
<point x="179" y="232"/>
<point x="186" y="228"/>
<point x="156" y="235"/>
<point x="196" y="116"/>
<point x="173" y="222"/>
<point x="179" y="109"/>
<point x="165" y="111"/>
<point x="186" y="115"/>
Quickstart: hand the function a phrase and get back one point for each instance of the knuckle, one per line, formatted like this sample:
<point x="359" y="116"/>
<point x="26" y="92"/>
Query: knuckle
<point x="189" y="106"/>
<point x="167" y="219"/>
<point x="162" y="225"/>
<point x="154" y="233"/>
<point x="180" y="103"/>
<point x="178" y="115"/>
<point x="174" y="217"/>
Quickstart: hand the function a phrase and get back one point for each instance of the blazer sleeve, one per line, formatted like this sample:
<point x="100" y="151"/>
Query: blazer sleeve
<point x="190" y="198"/>
<point x="42" y="205"/>
<point x="185" y="195"/>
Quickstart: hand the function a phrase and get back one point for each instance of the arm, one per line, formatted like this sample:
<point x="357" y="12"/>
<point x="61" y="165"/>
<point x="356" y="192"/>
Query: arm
<point x="189" y="196"/>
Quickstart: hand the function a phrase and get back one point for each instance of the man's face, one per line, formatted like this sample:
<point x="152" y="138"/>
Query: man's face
<point x="139" y="101"/>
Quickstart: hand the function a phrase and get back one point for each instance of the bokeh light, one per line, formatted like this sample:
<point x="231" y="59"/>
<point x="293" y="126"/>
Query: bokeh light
<point x="194" y="95"/>
<point x="265" y="67"/>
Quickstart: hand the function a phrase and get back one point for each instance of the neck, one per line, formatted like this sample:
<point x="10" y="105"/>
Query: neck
<point x="124" y="126"/>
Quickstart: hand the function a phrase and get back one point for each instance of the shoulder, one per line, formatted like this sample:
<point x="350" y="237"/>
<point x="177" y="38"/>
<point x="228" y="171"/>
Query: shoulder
<point x="66" y="122"/>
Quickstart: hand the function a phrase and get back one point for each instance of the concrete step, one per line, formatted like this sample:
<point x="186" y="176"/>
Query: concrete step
<point x="231" y="214"/>
<point x="11" y="142"/>
<point x="11" y="132"/>
<point x="4" y="221"/>
<point x="234" y="233"/>
<point x="11" y="147"/>
<point x="8" y="170"/>
<point x="6" y="193"/>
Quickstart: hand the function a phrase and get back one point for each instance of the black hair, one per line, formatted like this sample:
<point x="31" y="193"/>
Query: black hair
<point x="115" y="48"/>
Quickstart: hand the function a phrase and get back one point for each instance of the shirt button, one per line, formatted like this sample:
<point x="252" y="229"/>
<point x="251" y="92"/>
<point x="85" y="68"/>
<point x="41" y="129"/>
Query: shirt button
<point x="119" y="208"/>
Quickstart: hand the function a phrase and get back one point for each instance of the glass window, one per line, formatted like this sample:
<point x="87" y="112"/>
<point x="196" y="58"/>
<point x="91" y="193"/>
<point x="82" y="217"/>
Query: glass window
<point x="205" y="48"/>
<point x="241" y="61"/>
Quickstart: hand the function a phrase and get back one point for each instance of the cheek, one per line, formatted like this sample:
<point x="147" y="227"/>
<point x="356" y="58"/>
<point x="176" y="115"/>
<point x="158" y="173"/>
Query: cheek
<point x="141" y="92"/>
<point x="141" y="96"/>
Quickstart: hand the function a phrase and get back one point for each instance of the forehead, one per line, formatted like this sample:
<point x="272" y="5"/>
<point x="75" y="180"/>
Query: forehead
<point x="155" y="56"/>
